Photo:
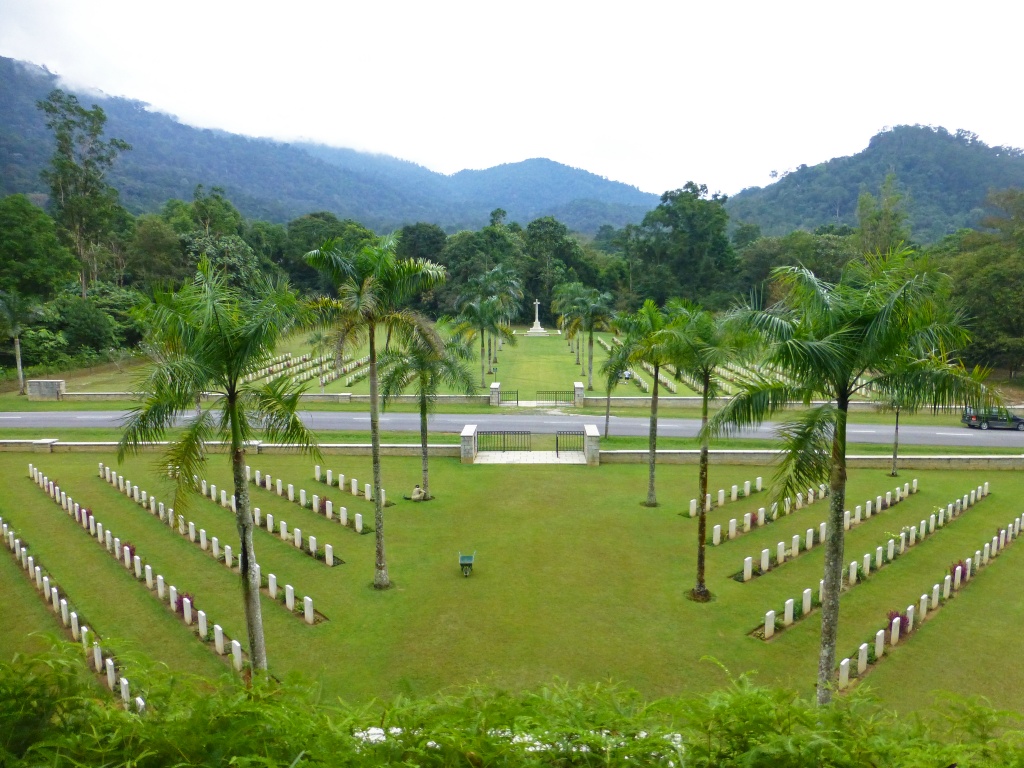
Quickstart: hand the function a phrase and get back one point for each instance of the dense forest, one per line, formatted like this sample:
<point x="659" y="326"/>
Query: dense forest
<point x="944" y="178"/>
<point x="76" y="254"/>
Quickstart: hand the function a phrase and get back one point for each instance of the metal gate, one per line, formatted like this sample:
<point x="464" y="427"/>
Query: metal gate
<point x="556" y="397"/>
<point x="510" y="396"/>
<point x="568" y="440"/>
<point x="503" y="441"/>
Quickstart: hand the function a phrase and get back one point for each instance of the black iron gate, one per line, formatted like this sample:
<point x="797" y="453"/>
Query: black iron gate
<point x="568" y="440"/>
<point x="503" y="441"/>
<point x="556" y="396"/>
<point x="509" y="396"/>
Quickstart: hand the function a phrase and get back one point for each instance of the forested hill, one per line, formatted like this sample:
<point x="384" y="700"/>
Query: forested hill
<point x="278" y="182"/>
<point x="943" y="176"/>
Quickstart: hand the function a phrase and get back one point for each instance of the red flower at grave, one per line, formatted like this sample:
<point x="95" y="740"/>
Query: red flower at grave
<point x="958" y="564"/>
<point x="904" y="623"/>
<point x="131" y="550"/>
<point x="181" y="602"/>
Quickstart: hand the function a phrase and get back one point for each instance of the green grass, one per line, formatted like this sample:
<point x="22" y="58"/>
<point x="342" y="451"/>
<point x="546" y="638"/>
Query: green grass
<point x="573" y="578"/>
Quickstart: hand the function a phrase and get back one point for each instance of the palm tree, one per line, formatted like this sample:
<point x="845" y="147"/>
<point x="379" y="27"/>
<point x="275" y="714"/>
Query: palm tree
<point x="834" y="341"/>
<point x="207" y="338"/>
<point x="647" y="338"/>
<point x="613" y="368"/>
<point x="425" y="363"/>
<point x="482" y="316"/>
<point x="15" y="313"/>
<point x="706" y="343"/>
<point x="372" y="284"/>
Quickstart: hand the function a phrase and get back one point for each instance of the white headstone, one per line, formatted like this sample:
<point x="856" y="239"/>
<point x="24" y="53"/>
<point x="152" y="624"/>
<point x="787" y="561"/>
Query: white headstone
<point x="867" y="563"/>
<point x="787" y="616"/>
<point x="879" y="643"/>
<point x="228" y="560"/>
<point x="947" y="585"/>
<point x="780" y="553"/>
<point x="270" y="523"/>
<point x="359" y="523"/>
<point x="693" y="507"/>
<point x="734" y="493"/>
<point x="844" y="674"/>
<point x="291" y="492"/>
<point x="186" y="609"/>
<point x="330" y="477"/>
<point x="716" y="535"/>
<point x="201" y="615"/>
<point x="218" y="639"/>
<point x="216" y="547"/>
<point x="329" y="555"/>
<point x="867" y="509"/>
<point x="280" y="487"/>
<point x="880" y="557"/>
<point x="809" y="539"/>
<point x="895" y="638"/>
<point x="343" y="516"/>
<point x="957" y="576"/>
<point x="796" y="545"/>
<point x="846" y="520"/>
<point x="111" y="674"/>
<point x="853" y="573"/>
<point x="329" y="509"/>
<point x="822" y="530"/>
<point x="297" y="537"/>
<point x="746" y="522"/>
<point x="765" y="565"/>
<point x="355" y="487"/>
<point x="732" y="528"/>
<point x="748" y="568"/>
<point x="312" y="545"/>
<point x="307" y="609"/>
<point x="236" y="654"/>
<point x="138" y="567"/>
<point x="283" y="529"/>
<point x="760" y="516"/>
<point x="174" y="598"/>
<point x="289" y="596"/>
<point x="806" y="602"/>
<point x="160" y="586"/>
<point x="769" y="624"/>
<point x="707" y="502"/>
<point x="935" y="597"/>
<point x="931" y="524"/>
<point x="368" y="494"/>
<point x="913" y="536"/>
<point x="149" y="576"/>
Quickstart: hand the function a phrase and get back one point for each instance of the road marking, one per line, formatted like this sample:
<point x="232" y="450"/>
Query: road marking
<point x="94" y="418"/>
<point x="10" y="417"/>
<point x="956" y="434"/>
<point x="862" y="431"/>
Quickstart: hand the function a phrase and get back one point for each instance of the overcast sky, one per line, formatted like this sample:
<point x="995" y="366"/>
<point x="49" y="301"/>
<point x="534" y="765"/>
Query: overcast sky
<point x="649" y="93"/>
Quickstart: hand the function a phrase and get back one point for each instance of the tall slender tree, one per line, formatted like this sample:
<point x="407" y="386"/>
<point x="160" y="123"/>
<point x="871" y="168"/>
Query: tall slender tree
<point x="372" y="284"/>
<point x="84" y="205"/>
<point x="705" y="344"/>
<point x="647" y="338"/>
<point x="833" y="342"/>
<point x="425" y="362"/>
<point x="207" y="338"/>
<point x="15" y="313"/>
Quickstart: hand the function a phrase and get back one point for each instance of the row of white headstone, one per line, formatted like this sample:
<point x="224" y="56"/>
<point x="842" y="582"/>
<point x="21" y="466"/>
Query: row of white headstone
<point x="224" y="554"/>
<point x="764" y="516"/>
<point x="734" y="495"/>
<point x="327" y="507"/>
<point x="860" y="569"/>
<point x="103" y="664"/>
<point x="141" y="570"/>
<point x="307" y="546"/>
<point x="812" y="536"/>
<point x="929" y="602"/>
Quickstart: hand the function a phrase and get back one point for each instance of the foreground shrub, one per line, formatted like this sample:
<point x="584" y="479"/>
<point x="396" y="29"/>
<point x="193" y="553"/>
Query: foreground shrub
<point x="52" y="712"/>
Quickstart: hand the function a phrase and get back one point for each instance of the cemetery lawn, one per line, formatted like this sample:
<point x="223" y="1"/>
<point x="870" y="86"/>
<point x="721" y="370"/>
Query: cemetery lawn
<point x="574" y="579"/>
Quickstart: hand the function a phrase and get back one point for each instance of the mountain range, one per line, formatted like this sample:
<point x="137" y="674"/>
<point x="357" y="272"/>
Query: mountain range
<point x="944" y="176"/>
<point x="278" y="181"/>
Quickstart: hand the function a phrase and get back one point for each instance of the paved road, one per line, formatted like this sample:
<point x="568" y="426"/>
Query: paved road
<point x="547" y="421"/>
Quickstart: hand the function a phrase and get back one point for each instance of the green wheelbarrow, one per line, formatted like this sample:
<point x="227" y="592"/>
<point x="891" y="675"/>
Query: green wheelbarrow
<point x="466" y="563"/>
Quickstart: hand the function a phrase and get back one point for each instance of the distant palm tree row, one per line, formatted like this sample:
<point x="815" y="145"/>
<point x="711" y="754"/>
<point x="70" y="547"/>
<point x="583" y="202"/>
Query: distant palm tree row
<point x="882" y="326"/>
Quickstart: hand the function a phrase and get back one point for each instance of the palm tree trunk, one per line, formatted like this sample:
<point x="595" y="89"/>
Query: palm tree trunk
<point x="700" y="591"/>
<point x="380" y="576"/>
<point x="578" y="352"/>
<point x="652" y="443"/>
<point x="17" y="360"/>
<point x="607" y="410"/>
<point x="895" y="445"/>
<point x="423" y="441"/>
<point x="834" y="541"/>
<point x="247" y="561"/>
<point x="483" y="375"/>
<point x="590" y="361"/>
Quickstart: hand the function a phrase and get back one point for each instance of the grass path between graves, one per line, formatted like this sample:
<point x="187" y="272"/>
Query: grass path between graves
<point x="573" y="579"/>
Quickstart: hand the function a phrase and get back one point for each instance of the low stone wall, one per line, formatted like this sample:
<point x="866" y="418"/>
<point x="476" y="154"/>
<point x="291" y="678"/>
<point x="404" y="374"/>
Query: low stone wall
<point x="306" y="397"/>
<point x="336" y="449"/>
<point x="765" y="457"/>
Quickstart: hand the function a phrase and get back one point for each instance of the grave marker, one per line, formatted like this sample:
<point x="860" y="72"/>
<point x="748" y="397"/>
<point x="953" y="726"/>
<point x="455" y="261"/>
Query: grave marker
<point x="769" y="625"/>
